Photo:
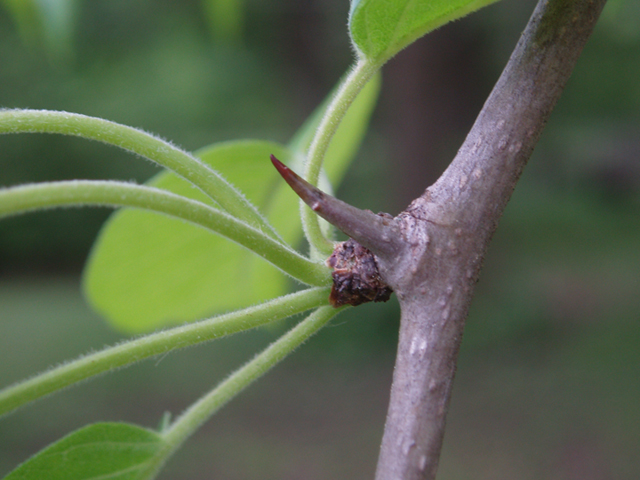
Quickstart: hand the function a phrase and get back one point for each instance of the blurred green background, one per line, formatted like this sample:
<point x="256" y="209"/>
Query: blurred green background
<point x="548" y="383"/>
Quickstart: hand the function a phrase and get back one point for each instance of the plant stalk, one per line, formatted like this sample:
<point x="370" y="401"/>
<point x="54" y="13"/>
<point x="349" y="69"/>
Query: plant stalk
<point x="449" y="228"/>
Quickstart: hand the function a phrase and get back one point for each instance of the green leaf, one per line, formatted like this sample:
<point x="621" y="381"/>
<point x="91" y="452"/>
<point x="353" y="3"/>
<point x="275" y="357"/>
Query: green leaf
<point x="116" y="451"/>
<point x="147" y="271"/>
<point x="381" y="28"/>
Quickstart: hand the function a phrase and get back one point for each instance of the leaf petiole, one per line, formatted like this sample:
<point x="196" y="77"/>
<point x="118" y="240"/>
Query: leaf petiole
<point x="158" y="343"/>
<point x="185" y="425"/>
<point x="21" y="199"/>
<point x="144" y="144"/>
<point x="353" y="83"/>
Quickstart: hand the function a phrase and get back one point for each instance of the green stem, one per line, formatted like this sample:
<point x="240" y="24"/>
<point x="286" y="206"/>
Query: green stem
<point x="143" y="144"/>
<point x="158" y="343"/>
<point x="21" y="199"/>
<point x="337" y="109"/>
<point x="199" y="412"/>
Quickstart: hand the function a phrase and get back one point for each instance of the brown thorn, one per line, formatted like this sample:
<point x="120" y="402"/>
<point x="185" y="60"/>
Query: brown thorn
<point x="379" y="234"/>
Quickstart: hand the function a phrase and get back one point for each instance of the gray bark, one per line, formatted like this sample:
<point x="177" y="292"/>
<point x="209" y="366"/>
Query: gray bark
<point x="446" y="231"/>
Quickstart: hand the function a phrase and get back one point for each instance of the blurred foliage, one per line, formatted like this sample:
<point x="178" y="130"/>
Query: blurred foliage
<point x="50" y="25"/>
<point x="226" y="19"/>
<point x="549" y="364"/>
<point x="46" y="24"/>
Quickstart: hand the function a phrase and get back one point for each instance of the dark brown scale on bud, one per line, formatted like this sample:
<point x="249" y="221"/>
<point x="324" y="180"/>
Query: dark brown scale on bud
<point x="355" y="276"/>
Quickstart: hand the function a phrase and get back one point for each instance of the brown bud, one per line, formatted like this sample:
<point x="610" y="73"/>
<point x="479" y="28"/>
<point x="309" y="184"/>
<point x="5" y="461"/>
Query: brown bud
<point x="355" y="276"/>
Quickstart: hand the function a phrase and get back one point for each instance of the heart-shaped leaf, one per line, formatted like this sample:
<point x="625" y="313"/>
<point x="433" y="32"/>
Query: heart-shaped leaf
<point x="381" y="28"/>
<point x="117" y="451"/>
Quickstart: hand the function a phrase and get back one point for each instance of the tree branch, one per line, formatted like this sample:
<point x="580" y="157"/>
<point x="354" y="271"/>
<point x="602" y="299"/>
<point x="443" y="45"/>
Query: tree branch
<point x="447" y="230"/>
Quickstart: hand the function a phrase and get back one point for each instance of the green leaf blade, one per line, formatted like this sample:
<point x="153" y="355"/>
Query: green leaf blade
<point x="147" y="271"/>
<point x="381" y="28"/>
<point x="117" y="451"/>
